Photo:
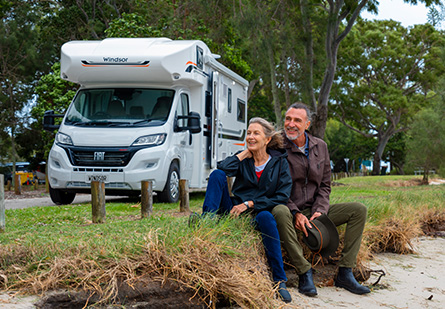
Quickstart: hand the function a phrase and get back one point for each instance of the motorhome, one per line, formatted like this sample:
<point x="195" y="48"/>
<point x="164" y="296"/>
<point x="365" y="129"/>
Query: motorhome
<point x="147" y="109"/>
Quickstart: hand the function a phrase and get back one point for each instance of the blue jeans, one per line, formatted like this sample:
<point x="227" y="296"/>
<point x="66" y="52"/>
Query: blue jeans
<point x="218" y="201"/>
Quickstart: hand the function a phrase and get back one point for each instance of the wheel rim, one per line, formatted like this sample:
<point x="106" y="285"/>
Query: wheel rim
<point x="174" y="184"/>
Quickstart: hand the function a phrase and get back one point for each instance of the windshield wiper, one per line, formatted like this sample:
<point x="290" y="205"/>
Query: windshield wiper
<point x="145" y="121"/>
<point x="93" y="123"/>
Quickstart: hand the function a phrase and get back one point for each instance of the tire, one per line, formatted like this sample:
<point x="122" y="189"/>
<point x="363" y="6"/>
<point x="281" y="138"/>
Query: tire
<point x="170" y="194"/>
<point x="60" y="197"/>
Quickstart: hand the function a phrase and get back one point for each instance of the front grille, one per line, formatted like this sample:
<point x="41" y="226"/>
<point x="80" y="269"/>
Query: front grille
<point x="109" y="158"/>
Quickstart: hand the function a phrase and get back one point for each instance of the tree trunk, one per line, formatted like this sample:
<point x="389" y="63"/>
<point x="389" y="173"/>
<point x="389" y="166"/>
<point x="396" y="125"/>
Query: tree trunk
<point x="382" y="142"/>
<point x="275" y="96"/>
<point x="308" y="64"/>
<point x="337" y="13"/>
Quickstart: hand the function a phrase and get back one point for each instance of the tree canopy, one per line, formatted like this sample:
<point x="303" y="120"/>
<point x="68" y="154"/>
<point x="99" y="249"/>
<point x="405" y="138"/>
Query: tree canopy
<point x="385" y="74"/>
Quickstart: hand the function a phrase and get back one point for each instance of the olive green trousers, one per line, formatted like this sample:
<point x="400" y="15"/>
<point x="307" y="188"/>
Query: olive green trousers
<point x="351" y="214"/>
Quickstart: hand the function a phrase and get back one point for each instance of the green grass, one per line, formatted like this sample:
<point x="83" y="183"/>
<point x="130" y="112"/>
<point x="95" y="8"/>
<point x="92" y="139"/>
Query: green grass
<point x="384" y="197"/>
<point x="37" y="235"/>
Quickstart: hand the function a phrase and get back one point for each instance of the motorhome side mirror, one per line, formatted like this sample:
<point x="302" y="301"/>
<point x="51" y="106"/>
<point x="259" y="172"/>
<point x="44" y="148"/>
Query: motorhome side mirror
<point x="48" y="121"/>
<point x="194" y="123"/>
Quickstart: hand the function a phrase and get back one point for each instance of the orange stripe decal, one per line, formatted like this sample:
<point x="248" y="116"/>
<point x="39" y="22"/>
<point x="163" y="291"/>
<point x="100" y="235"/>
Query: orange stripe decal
<point x="190" y="62"/>
<point x="104" y="65"/>
<point x="239" y="144"/>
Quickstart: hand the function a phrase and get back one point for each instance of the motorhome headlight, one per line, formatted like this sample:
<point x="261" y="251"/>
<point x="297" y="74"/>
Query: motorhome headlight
<point x="63" y="139"/>
<point x="150" y="140"/>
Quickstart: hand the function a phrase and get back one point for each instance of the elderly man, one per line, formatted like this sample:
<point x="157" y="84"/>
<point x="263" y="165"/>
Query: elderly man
<point x="310" y="168"/>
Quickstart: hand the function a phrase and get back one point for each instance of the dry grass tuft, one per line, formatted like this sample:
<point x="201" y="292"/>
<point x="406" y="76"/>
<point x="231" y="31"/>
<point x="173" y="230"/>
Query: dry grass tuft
<point x="392" y="235"/>
<point x="207" y="268"/>
<point x="404" y="183"/>
<point x="212" y="269"/>
<point x="432" y="221"/>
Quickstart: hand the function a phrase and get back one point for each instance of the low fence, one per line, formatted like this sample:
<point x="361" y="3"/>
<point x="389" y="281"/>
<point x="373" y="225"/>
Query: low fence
<point x="98" y="210"/>
<point x="337" y="176"/>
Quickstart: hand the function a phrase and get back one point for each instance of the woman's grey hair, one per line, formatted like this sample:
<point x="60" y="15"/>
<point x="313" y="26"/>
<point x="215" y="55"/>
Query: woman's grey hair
<point x="277" y="140"/>
<point x="301" y="105"/>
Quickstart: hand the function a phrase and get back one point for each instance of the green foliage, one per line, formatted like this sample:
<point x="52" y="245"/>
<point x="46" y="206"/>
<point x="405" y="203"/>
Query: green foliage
<point x="55" y="94"/>
<point x="384" y="74"/>
<point x="426" y="143"/>
<point x="345" y="143"/>
<point x="178" y="24"/>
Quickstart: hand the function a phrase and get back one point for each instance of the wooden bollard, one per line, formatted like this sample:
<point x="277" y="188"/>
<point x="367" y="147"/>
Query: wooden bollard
<point x="184" y="205"/>
<point x="17" y="185"/>
<point x="146" y="198"/>
<point x="98" y="201"/>
<point x="2" y="204"/>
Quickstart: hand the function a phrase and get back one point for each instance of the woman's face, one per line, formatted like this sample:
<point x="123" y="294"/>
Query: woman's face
<point x="256" y="139"/>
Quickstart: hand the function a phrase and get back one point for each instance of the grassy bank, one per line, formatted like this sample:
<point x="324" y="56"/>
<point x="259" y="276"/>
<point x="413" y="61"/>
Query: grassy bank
<point x="56" y="247"/>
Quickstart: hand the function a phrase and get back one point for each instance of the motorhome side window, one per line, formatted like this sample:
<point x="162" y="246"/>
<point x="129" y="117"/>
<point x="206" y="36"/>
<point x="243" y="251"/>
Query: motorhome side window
<point x="229" y="101"/>
<point x="241" y="113"/>
<point x="120" y="107"/>
<point x="183" y="109"/>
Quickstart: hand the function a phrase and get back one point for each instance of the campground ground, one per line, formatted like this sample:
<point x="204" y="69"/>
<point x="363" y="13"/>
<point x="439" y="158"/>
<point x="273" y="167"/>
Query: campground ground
<point x="411" y="281"/>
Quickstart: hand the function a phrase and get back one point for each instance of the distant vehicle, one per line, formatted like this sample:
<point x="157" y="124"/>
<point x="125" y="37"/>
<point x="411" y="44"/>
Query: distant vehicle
<point x="138" y="115"/>
<point x="27" y="176"/>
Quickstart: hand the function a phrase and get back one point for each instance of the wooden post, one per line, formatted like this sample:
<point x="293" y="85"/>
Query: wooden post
<point x="46" y="178"/>
<point x="98" y="201"/>
<point x="17" y="185"/>
<point x="184" y="205"/>
<point x="146" y="198"/>
<point x="2" y="204"/>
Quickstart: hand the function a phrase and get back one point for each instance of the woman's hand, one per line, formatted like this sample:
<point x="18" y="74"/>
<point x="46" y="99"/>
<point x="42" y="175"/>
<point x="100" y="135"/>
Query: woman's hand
<point x="244" y="154"/>
<point x="238" y="209"/>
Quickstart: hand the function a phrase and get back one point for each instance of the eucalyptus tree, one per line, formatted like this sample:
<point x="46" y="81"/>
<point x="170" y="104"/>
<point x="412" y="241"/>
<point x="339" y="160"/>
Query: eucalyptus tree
<point x="385" y="74"/>
<point x="426" y="139"/>
<point x="23" y="57"/>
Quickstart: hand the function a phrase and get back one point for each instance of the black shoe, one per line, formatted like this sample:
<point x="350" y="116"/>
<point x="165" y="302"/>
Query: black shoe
<point x="306" y="284"/>
<point x="194" y="220"/>
<point x="345" y="279"/>
<point x="284" y="293"/>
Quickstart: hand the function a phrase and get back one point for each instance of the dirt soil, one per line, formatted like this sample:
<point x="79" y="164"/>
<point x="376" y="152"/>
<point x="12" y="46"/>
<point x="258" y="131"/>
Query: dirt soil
<point x="27" y="192"/>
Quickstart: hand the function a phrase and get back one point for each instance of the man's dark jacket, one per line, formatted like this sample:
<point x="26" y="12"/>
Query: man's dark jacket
<point x="274" y="185"/>
<point x="311" y="176"/>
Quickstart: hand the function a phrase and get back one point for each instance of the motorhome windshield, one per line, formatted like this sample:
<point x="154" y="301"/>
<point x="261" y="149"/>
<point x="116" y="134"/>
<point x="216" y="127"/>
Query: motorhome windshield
<point x="120" y="107"/>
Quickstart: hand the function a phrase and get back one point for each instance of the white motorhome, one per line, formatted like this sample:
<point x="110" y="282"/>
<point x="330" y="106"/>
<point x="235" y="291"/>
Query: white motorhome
<point x="147" y="109"/>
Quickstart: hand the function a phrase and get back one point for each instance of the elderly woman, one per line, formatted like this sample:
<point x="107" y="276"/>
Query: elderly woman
<point x="262" y="182"/>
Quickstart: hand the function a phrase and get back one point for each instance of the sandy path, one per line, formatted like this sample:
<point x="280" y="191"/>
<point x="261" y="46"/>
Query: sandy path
<point x="411" y="281"/>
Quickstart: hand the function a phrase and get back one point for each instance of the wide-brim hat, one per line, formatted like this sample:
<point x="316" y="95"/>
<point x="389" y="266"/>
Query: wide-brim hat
<point x="323" y="236"/>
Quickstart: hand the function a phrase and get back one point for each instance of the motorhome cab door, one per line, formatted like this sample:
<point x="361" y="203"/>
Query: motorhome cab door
<point x="185" y="138"/>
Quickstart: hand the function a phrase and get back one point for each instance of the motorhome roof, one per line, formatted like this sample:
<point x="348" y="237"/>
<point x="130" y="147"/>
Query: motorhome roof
<point x="134" y="60"/>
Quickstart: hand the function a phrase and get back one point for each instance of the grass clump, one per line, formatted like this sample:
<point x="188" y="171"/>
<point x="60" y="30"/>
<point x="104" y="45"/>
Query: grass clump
<point x="47" y="248"/>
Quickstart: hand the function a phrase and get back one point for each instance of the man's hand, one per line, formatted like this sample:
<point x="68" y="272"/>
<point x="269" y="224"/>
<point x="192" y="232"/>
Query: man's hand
<point x="244" y="154"/>
<point x="315" y="215"/>
<point x="301" y="221"/>
<point x="238" y="209"/>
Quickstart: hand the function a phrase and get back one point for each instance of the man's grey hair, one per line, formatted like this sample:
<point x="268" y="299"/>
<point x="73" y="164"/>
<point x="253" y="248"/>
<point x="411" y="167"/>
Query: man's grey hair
<point x="300" y="105"/>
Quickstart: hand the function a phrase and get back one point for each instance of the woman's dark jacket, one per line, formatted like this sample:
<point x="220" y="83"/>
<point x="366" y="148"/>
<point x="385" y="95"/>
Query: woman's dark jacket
<point x="273" y="187"/>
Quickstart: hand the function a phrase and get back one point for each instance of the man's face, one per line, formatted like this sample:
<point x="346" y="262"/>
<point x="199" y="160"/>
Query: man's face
<point x="295" y="123"/>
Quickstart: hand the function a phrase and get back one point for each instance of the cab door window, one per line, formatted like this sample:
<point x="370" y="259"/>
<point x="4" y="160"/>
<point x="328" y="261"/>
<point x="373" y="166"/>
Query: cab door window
<point x="183" y="109"/>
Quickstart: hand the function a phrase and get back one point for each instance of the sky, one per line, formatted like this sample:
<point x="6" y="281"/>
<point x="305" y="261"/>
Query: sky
<point x="407" y="14"/>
